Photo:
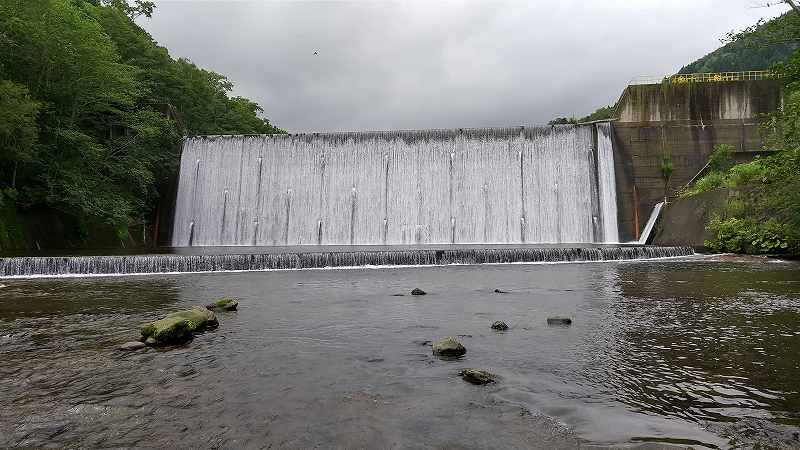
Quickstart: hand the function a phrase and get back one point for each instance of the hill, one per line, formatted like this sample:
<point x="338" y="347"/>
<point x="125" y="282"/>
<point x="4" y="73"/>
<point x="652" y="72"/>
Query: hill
<point x="759" y="47"/>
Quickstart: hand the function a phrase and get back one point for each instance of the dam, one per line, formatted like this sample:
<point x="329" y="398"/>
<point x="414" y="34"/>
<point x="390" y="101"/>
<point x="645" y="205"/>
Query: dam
<point x="565" y="184"/>
<point x="461" y="186"/>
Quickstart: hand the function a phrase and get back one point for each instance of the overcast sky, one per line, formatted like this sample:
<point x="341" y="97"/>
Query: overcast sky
<point x="441" y="64"/>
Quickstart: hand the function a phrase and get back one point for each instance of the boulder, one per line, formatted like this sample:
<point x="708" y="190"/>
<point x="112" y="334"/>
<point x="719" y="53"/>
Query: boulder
<point x="130" y="346"/>
<point x="562" y="321"/>
<point x="499" y="326"/>
<point x="476" y="376"/>
<point x="418" y="291"/>
<point x="226" y="304"/>
<point x="179" y="326"/>
<point x="448" y="346"/>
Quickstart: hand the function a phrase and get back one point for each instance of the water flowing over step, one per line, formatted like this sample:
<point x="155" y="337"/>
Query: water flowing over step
<point x="146" y="264"/>
<point x="460" y="186"/>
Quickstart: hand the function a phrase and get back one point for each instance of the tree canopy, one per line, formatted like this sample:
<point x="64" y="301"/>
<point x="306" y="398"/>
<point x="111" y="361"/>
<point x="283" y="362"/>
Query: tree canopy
<point x="758" y="47"/>
<point x="92" y="110"/>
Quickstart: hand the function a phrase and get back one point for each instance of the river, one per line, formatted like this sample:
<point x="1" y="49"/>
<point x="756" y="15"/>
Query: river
<point x="697" y="351"/>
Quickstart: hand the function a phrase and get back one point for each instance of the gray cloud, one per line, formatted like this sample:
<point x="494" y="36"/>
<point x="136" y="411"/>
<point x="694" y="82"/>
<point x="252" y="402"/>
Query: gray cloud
<point x="440" y="64"/>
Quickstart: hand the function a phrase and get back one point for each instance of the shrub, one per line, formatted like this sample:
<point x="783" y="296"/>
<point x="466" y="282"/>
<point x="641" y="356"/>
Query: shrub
<point x="743" y="174"/>
<point x="710" y="182"/>
<point x="721" y="159"/>
<point x="749" y="236"/>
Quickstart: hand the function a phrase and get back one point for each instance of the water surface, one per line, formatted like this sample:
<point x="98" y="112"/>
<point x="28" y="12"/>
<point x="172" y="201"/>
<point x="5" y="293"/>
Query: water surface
<point x="686" y="351"/>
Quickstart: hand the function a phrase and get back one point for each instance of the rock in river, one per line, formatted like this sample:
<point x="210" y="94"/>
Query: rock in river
<point x="130" y="346"/>
<point x="500" y="326"/>
<point x="226" y="304"/>
<point x="448" y="346"/>
<point x="563" y="321"/>
<point x="418" y="291"/>
<point x="179" y="326"/>
<point x="476" y="376"/>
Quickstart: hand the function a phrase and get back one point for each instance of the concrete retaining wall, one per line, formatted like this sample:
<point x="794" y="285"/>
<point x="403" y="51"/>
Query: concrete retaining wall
<point x="685" y="122"/>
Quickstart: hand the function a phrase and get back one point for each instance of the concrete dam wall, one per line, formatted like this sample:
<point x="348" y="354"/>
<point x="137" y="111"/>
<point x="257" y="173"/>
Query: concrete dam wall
<point x="683" y="122"/>
<point x="505" y="185"/>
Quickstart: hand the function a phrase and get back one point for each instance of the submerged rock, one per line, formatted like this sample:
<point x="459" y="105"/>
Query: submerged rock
<point x="226" y="304"/>
<point x="500" y="326"/>
<point x="418" y="291"/>
<point x="448" y="346"/>
<point x="130" y="346"/>
<point x="179" y="326"/>
<point x="563" y="321"/>
<point x="476" y="376"/>
<point x="498" y="291"/>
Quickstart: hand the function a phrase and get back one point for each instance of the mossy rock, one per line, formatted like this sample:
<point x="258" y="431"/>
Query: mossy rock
<point x="449" y="347"/>
<point x="226" y="304"/>
<point x="476" y="376"/>
<point x="179" y="326"/>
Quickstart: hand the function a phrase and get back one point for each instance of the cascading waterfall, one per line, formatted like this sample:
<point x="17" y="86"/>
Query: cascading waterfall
<point x="606" y="182"/>
<point x="502" y="185"/>
<point x="143" y="264"/>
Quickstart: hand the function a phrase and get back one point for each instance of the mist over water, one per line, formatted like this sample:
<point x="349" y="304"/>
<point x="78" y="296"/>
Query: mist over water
<point x="499" y="185"/>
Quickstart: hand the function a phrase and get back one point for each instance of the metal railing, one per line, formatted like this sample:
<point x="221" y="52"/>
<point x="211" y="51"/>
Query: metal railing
<point x="683" y="78"/>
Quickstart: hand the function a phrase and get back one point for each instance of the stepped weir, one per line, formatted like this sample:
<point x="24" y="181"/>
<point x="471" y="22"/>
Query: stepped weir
<point x="462" y="186"/>
<point x="174" y="263"/>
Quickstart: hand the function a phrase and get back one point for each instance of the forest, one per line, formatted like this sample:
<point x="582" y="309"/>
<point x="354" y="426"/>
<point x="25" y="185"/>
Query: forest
<point x="92" y="113"/>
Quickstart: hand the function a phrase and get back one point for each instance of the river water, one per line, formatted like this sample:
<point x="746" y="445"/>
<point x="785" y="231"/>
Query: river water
<point x="691" y="351"/>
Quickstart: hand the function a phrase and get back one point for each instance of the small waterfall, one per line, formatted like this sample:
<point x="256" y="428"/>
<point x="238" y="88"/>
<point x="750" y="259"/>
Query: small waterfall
<point x="606" y="181"/>
<point x="488" y="185"/>
<point x="145" y="264"/>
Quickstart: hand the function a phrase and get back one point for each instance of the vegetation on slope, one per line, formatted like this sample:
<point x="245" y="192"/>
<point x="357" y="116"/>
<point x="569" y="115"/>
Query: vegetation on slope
<point x="603" y="113"/>
<point x="765" y="216"/>
<point x="758" y="47"/>
<point x="92" y="111"/>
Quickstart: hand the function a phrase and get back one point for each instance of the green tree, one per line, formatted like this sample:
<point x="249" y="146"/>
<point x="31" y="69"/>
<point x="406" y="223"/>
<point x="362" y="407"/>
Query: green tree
<point x="758" y="47"/>
<point x="92" y="110"/>
<point x="18" y="132"/>
<point x="603" y="113"/>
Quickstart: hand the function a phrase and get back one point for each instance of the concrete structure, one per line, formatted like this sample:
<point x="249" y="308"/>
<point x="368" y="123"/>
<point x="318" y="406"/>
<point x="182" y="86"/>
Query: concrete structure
<point x="684" y="121"/>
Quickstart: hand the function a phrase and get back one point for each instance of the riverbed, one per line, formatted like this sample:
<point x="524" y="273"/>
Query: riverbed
<point x="692" y="351"/>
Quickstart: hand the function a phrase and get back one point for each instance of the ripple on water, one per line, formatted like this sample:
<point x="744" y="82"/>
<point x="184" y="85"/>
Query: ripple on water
<point x="698" y="352"/>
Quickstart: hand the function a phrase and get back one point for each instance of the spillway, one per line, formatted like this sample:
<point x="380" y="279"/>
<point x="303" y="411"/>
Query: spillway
<point x="171" y="263"/>
<point x="461" y="186"/>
